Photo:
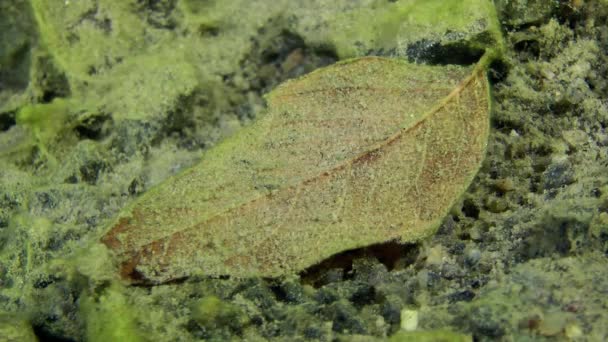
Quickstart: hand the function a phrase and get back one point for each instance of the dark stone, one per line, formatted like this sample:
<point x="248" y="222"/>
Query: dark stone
<point x="92" y="127"/>
<point x="45" y="282"/>
<point x="90" y="171"/>
<point x="457" y="248"/>
<point x="313" y="333"/>
<point x="433" y="279"/>
<point x="391" y="312"/>
<point x="364" y="294"/>
<point x="461" y="296"/>
<point x="289" y="291"/>
<point x="557" y="175"/>
<point x="369" y="271"/>
<point x="344" y="318"/>
<point x="483" y="322"/>
<point x="326" y="295"/>
<point x="52" y="82"/>
<point x="472" y="257"/>
<point x="470" y="209"/>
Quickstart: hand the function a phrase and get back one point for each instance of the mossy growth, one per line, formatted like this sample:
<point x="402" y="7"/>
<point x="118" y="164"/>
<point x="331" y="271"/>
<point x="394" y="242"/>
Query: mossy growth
<point x="15" y="329"/>
<point x="430" y="336"/>
<point x="97" y="39"/>
<point x="109" y="317"/>
<point x="212" y="312"/>
<point x="44" y="120"/>
<point x="471" y="23"/>
<point x="38" y="126"/>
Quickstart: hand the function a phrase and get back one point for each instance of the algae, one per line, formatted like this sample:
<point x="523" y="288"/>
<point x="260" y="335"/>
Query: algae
<point x="109" y="317"/>
<point x="424" y="336"/>
<point x="522" y="257"/>
<point x="14" y="329"/>
<point x="15" y="57"/>
<point x="408" y="28"/>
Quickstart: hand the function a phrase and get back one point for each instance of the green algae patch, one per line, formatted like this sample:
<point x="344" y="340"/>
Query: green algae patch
<point x="417" y="29"/>
<point x="45" y="121"/>
<point x="144" y="86"/>
<point x="210" y="312"/>
<point x="92" y="43"/>
<point x="112" y="62"/>
<point x="430" y="336"/>
<point x="114" y="54"/>
<point x="13" y="329"/>
<point x="47" y="127"/>
<point x="109" y="316"/>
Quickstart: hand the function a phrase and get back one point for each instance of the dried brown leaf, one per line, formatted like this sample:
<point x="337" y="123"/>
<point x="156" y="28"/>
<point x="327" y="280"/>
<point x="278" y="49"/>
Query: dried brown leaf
<point x="360" y="152"/>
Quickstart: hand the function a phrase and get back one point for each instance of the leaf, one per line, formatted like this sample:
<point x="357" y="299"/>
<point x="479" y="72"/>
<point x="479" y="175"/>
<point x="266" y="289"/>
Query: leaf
<point x="360" y="152"/>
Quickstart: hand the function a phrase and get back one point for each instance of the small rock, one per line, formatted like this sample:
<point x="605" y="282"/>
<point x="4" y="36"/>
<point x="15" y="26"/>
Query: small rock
<point x="363" y="294"/>
<point x="554" y="323"/>
<point x="557" y="175"/>
<point x="435" y="255"/>
<point x="504" y="184"/>
<point x="391" y="310"/>
<point x="344" y="318"/>
<point x="573" y="331"/>
<point x="461" y="296"/>
<point x="409" y="320"/>
<point x="472" y="257"/>
<point x="475" y="234"/>
<point x="486" y="321"/>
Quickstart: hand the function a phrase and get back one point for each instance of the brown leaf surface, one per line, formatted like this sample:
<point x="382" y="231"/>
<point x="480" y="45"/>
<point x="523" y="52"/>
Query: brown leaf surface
<point x="357" y="153"/>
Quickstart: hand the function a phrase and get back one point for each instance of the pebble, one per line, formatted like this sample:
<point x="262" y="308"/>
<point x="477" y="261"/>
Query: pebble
<point x="472" y="257"/>
<point x="409" y="319"/>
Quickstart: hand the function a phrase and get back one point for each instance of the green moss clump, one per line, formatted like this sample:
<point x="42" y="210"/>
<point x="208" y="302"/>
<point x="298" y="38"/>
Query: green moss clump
<point x="44" y="120"/>
<point x="401" y="25"/>
<point x="109" y="317"/>
<point x="14" y="329"/>
<point x="212" y="312"/>
<point x="430" y="336"/>
<point x="40" y="125"/>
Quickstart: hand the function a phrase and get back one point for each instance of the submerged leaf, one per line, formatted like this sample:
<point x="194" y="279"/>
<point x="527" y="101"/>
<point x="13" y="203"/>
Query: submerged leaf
<point x="360" y="152"/>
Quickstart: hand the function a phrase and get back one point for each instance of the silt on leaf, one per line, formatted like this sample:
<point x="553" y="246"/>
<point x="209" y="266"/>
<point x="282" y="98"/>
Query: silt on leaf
<point x="361" y="152"/>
